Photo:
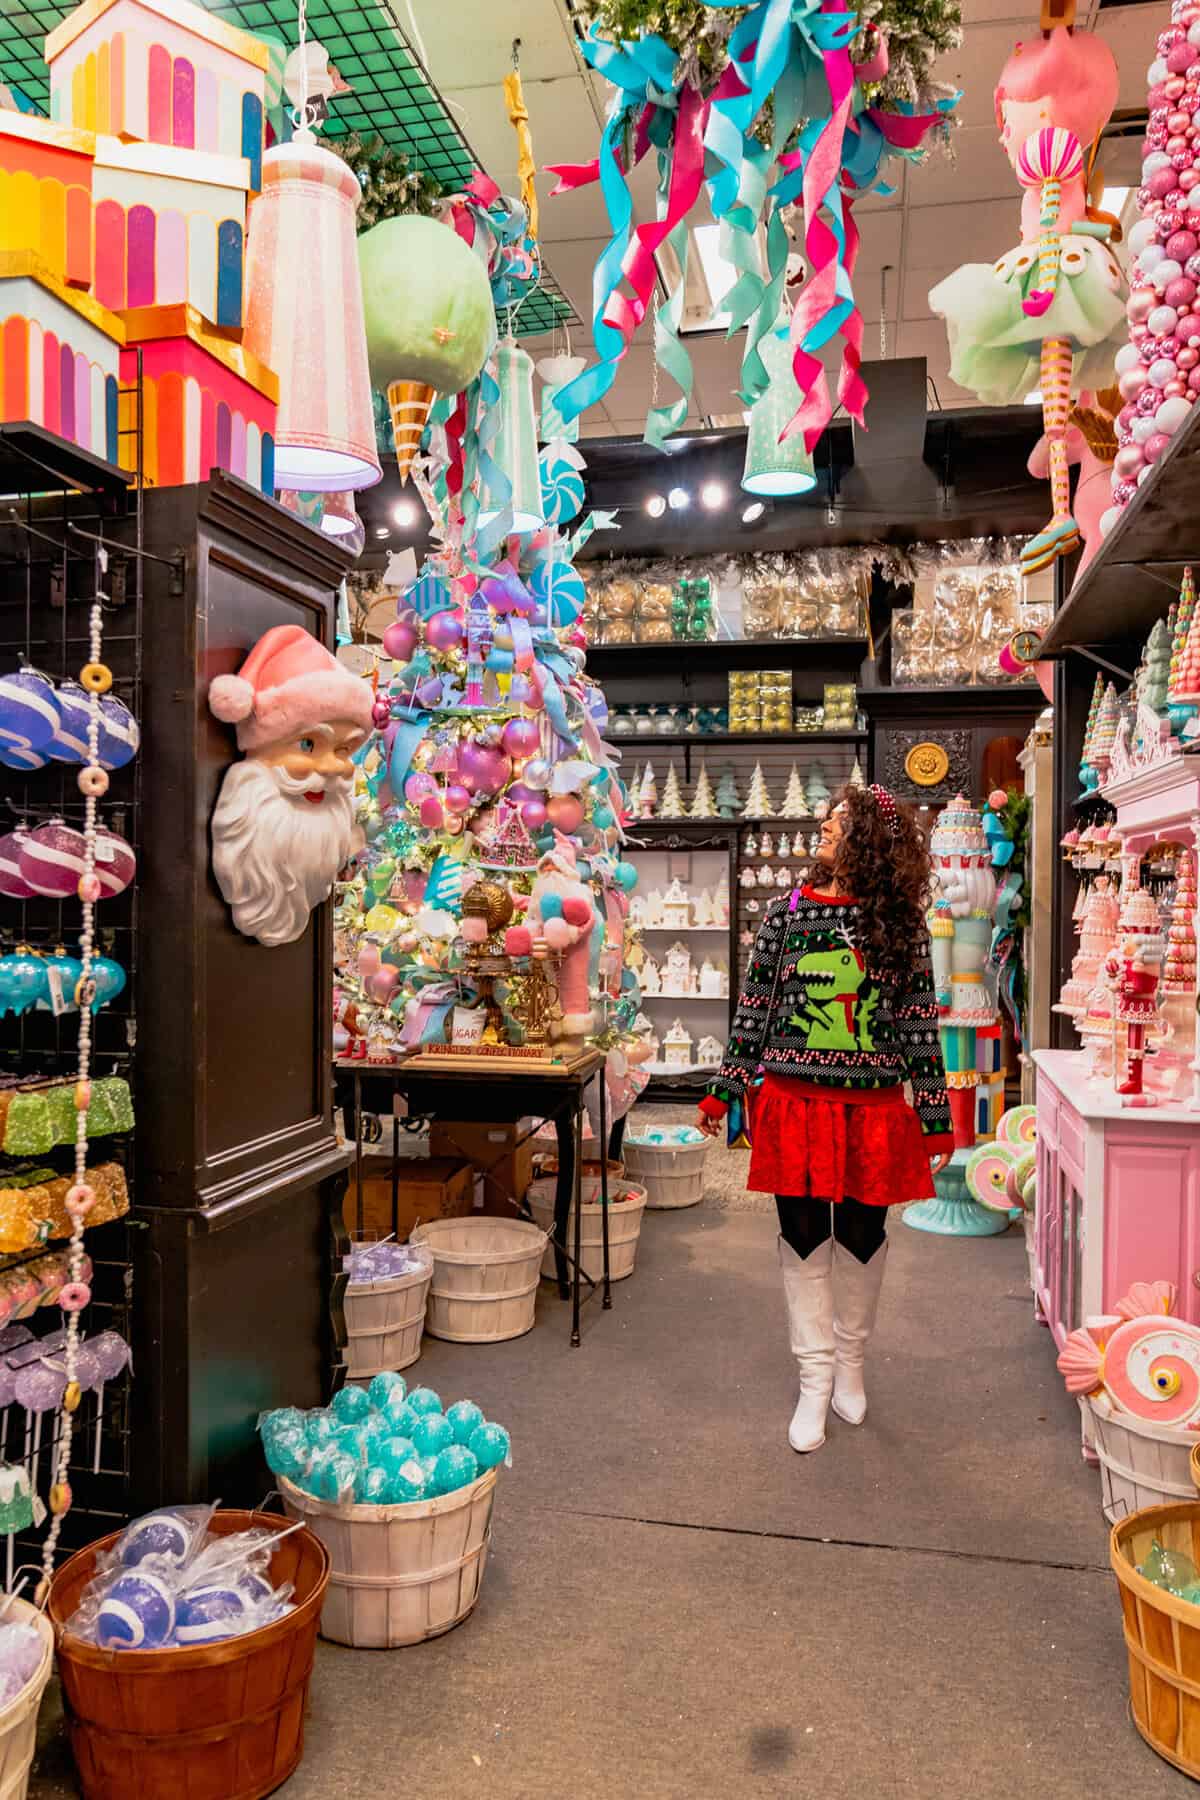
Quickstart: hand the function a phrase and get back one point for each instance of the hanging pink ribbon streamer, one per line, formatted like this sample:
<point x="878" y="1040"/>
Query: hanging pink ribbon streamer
<point x="852" y="389"/>
<point x="687" y="174"/>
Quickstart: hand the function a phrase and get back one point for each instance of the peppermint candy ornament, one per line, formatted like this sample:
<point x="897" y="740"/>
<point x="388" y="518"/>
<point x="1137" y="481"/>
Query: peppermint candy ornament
<point x="116" y="865"/>
<point x="12" y="882"/>
<point x="69" y="743"/>
<point x="562" y="488"/>
<point x="559" y="592"/>
<point x="51" y="859"/>
<point x="28" y="710"/>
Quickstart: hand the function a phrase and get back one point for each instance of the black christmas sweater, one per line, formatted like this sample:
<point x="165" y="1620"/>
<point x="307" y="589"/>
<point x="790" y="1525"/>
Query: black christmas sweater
<point x="833" y="1024"/>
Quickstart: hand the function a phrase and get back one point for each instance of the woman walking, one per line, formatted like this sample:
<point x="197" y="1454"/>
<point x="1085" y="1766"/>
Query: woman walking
<point x="837" y="1013"/>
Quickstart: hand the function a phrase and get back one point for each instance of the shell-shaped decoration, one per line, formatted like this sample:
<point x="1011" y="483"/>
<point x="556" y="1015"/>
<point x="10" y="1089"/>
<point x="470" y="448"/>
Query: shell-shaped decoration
<point x="987" y="1175"/>
<point x="1081" y="1363"/>
<point x="1152" y="1370"/>
<point x="1147" y="1298"/>
<point x="1018" y="1125"/>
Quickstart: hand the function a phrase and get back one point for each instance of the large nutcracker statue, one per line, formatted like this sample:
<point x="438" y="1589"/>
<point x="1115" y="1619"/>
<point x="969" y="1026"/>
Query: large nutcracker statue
<point x="961" y="921"/>
<point x="1132" y="970"/>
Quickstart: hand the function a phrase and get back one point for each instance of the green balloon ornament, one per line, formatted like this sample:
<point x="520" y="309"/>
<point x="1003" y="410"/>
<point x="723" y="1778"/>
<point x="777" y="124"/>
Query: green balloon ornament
<point x="427" y="304"/>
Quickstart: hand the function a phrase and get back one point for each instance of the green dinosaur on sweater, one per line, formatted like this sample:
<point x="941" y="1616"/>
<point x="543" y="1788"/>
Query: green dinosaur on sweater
<point x="834" y="1016"/>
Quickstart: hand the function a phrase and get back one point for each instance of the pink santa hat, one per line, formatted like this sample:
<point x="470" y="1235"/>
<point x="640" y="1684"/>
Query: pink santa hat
<point x="287" y="684"/>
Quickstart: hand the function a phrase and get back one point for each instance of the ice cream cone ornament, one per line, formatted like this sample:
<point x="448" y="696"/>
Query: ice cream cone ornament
<point x="409" y="403"/>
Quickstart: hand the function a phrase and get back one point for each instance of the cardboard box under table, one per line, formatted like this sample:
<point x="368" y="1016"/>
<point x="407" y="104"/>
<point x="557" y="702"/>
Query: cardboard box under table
<point x="435" y="1187"/>
<point x="501" y="1156"/>
<point x="59" y="357"/>
<point x="207" y="403"/>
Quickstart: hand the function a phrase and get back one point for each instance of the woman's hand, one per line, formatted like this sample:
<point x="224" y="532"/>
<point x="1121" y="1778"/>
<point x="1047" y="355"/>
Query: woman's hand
<point x="710" y="1127"/>
<point x="940" y="1162"/>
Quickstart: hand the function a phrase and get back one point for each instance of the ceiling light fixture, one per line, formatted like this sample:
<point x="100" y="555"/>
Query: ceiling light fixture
<point x="679" y="499"/>
<point x="656" y="506"/>
<point x="753" y="513"/>
<point x="381" y="531"/>
<point x="404" y="514"/>
<point x="712" y="496"/>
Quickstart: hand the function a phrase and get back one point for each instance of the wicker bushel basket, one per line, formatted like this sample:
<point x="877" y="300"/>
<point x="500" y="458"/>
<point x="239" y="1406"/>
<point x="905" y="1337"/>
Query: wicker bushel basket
<point x="485" y="1278"/>
<point x="545" y="1183"/>
<point x="1162" y="1634"/>
<point x="672" y="1174"/>
<point x="400" y="1574"/>
<point x="222" y="1720"/>
<point x="624" y="1229"/>
<point x="18" y="1720"/>
<point x="1141" y="1464"/>
<point x="384" y="1323"/>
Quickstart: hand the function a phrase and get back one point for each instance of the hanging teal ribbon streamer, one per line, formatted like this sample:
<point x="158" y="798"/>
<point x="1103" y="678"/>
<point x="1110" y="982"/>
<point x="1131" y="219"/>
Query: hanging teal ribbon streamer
<point x="669" y="348"/>
<point x="409" y="735"/>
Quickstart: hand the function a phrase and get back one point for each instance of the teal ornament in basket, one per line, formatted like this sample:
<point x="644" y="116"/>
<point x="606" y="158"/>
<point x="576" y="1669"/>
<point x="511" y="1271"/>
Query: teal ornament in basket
<point x="428" y="595"/>
<point x="562" y="488"/>
<point x="559" y="592"/>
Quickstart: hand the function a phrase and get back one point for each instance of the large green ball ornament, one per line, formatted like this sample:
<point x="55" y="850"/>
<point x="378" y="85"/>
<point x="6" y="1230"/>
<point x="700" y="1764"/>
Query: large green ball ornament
<point x="427" y="302"/>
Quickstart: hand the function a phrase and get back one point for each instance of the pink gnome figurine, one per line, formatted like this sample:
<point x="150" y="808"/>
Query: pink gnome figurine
<point x="1048" y="314"/>
<point x="562" y="914"/>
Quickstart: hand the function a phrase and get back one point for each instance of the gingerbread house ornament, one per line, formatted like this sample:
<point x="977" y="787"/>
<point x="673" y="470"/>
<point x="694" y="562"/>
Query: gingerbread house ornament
<point x="677" y="1047"/>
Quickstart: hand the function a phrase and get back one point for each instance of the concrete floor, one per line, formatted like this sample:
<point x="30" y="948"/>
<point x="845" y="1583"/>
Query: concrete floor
<point x="677" y="1606"/>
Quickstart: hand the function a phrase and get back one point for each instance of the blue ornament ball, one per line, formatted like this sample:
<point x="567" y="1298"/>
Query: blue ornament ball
<point x="255" y="1589"/>
<point x="424" y="1400"/>
<point x="205" y="1615"/>
<point x="406" y="1477"/>
<point x="384" y="1386"/>
<point x="20" y="756"/>
<point x="550" y="906"/>
<point x="626" y="876"/>
<point x="433" y="1434"/>
<point x="602" y="817"/>
<point x="320" y="1428"/>
<point x="465" y="1417"/>
<point x="109" y="978"/>
<point x="70" y="742"/>
<point x="288" y="1452"/>
<point x="490" y="1446"/>
<point x="332" y="1475"/>
<point x="372" y="1487"/>
<point x="137" y="1613"/>
<point x="29" y="715"/>
<point x="120" y="734"/>
<point x="400" y="1419"/>
<point x="455" y="1468"/>
<point x="163" y="1535"/>
<point x="350" y="1405"/>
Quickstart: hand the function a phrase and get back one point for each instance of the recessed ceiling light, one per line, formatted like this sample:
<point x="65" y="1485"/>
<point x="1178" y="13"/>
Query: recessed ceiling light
<point x="679" y="499"/>
<point x="752" y="513"/>
<point x="656" y="506"/>
<point x="712" y="496"/>
<point x="381" y="531"/>
<point x="404" y="513"/>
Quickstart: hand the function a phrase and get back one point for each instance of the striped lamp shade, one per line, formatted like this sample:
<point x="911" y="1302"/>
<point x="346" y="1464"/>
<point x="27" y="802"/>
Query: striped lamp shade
<point x="304" y="318"/>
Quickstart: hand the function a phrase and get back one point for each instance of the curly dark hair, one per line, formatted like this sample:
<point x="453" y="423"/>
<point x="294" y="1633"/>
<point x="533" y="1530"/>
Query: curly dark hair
<point x="888" y="874"/>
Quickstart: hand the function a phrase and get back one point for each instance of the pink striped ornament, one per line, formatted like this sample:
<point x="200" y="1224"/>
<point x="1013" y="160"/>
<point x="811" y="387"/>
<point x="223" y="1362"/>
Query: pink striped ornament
<point x="12" y="882"/>
<point x="116" y="865"/>
<point x="51" y="859"/>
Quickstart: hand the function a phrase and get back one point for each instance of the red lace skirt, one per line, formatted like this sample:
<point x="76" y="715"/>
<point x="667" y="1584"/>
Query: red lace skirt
<point x="813" y="1142"/>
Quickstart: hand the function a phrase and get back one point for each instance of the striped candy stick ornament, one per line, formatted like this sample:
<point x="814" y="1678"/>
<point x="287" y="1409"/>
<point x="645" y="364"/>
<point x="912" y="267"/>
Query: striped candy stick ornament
<point x="1047" y="159"/>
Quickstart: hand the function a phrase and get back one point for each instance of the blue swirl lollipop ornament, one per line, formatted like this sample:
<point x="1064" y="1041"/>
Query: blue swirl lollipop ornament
<point x="562" y="484"/>
<point x="559" y="590"/>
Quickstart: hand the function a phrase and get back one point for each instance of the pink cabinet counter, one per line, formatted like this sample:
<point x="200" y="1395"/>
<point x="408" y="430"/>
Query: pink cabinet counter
<point x="1118" y="1196"/>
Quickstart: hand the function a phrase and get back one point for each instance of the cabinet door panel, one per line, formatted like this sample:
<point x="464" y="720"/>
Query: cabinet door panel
<point x="1146" y="1223"/>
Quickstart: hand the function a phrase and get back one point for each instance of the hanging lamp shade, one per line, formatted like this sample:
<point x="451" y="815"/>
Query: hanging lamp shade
<point x="774" y="468"/>
<point x="516" y="445"/>
<point x="556" y="372"/>
<point x="339" y="520"/>
<point x="304" y="318"/>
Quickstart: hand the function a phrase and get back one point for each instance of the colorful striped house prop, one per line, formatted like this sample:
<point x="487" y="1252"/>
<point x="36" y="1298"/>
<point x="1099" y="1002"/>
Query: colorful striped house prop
<point x="207" y="402"/>
<point x="59" y="356"/>
<point x="163" y="71"/>
<point x="170" y="227"/>
<point x="46" y="194"/>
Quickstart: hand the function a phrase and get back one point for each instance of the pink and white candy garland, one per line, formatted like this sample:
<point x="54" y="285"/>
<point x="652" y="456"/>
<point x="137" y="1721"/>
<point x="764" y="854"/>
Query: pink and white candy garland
<point x="1158" y="371"/>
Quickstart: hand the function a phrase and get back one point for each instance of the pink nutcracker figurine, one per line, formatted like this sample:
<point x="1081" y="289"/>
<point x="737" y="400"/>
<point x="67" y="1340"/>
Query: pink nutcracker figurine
<point x="1132" y="972"/>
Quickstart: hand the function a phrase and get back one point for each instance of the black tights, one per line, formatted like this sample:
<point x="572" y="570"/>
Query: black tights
<point x="806" y="1224"/>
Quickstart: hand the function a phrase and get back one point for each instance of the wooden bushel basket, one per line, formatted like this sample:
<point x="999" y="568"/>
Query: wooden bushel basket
<point x="624" y="1230"/>
<point x="18" y="1720"/>
<point x="672" y="1174"/>
<point x="400" y="1574"/>
<point x="384" y="1323"/>
<point x="220" y="1722"/>
<point x="485" y="1278"/>
<point x="1162" y="1634"/>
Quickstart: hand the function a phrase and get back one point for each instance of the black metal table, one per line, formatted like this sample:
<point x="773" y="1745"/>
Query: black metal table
<point x="500" y="1094"/>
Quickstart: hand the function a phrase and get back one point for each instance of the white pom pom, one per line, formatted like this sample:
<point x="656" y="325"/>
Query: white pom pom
<point x="231" y="698"/>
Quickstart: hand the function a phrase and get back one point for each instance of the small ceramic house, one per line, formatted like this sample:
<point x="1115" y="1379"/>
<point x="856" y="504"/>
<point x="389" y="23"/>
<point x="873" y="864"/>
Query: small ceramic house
<point x="710" y="979"/>
<point x="702" y="908"/>
<point x="637" y="910"/>
<point x="654" y="906"/>
<point x="648" y="976"/>
<point x="709" y="1052"/>
<point x="677" y="1047"/>
<point x="677" y="972"/>
<point x="676" y="907"/>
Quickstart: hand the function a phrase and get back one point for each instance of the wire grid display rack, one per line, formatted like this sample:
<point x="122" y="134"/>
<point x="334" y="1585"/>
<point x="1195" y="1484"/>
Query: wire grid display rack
<point x="58" y="503"/>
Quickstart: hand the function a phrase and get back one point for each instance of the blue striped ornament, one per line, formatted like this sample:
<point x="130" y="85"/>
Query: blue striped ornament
<point x="559" y="590"/>
<point x="20" y="756"/>
<point x="69" y="743"/>
<point x="120" y="734"/>
<point x="28" y="710"/>
<point x="429" y="595"/>
<point x="562" y="489"/>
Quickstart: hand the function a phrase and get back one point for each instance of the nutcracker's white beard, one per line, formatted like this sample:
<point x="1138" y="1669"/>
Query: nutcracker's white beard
<point x="276" y="854"/>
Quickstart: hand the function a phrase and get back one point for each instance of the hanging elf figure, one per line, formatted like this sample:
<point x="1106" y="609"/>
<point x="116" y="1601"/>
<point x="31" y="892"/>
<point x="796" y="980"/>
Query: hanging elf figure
<point x="1048" y="315"/>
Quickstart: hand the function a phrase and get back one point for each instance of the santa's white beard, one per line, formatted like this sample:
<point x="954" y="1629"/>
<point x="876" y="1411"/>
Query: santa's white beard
<point x="275" y="854"/>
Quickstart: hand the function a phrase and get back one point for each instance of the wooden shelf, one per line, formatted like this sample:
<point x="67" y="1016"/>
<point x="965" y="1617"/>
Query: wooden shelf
<point x="718" y="654"/>
<point x="1135" y="574"/>
<point x="748" y="738"/>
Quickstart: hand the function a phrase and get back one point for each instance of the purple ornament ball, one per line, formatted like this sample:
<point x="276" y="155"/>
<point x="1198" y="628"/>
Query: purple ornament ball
<point x="400" y="640"/>
<point x="533" y="812"/>
<point x="444" y="631"/>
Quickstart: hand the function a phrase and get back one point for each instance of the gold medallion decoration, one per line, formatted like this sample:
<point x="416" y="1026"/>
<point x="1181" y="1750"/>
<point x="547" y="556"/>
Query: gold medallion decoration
<point x="926" y="764"/>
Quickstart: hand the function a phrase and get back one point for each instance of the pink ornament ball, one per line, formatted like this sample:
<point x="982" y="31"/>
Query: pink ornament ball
<point x="533" y="813"/>
<point x="1149" y="399"/>
<point x="116" y="865"/>
<point x="1162" y="320"/>
<point x="418" y="786"/>
<point x="564" y="812"/>
<point x="1161" y="371"/>
<point x="400" y="640"/>
<point x="1162" y="183"/>
<point x="518" y="940"/>
<point x="1193" y="380"/>
<point x="1154" y="446"/>
<point x="1131" y="383"/>
<point x="577" y="911"/>
<point x="430" y="813"/>
<point x="444" y="631"/>
<point x="1180" y="59"/>
<point x="1123" y="492"/>
<point x="1187" y="357"/>
<point x="521" y="737"/>
<point x="1141" y="303"/>
<point x="558" y="934"/>
<point x="52" y="859"/>
<point x="456" y="799"/>
<point x="482" y="769"/>
<point x="1127" y="462"/>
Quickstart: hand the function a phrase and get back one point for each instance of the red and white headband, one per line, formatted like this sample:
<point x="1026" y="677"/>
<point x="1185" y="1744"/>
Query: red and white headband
<point x="886" y="802"/>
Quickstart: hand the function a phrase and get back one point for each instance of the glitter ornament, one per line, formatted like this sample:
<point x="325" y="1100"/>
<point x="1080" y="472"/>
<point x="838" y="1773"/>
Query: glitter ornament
<point x="424" y="1400"/>
<point x="165" y="1536"/>
<point x="12" y="882"/>
<point x="350" y="1406"/>
<point x="115" y="863"/>
<point x="29" y="715"/>
<point x="432" y="1434"/>
<point x="490" y="1446"/>
<point x="120" y="734"/>
<point x="455" y="1467"/>
<point x="384" y="1386"/>
<point x="206" y="1615"/>
<point x="137" y="1613"/>
<point x="464" y="1418"/>
<point x="52" y="859"/>
<point x="372" y="1487"/>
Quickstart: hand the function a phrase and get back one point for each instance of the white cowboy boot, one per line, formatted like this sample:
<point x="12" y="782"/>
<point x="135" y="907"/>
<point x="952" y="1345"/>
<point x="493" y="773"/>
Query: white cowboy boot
<point x="856" y="1288"/>
<point x="808" y="1285"/>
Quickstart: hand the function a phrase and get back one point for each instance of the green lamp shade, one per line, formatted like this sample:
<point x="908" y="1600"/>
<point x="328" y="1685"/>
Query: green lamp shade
<point x="774" y="468"/>
<point x="516" y="445"/>
<point x="427" y="304"/>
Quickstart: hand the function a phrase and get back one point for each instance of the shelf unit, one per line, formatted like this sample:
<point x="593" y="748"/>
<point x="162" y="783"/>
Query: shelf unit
<point x="618" y="739"/>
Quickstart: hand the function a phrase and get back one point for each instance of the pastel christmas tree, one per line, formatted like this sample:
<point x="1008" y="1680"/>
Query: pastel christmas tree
<point x="795" y="800"/>
<point x="1105" y="735"/>
<point x="671" y="805"/>
<point x="819" y="795"/>
<point x="728" y="798"/>
<point x="1186" y="691"/>
<point x="1184" y="610"/>
<point x="704" y="802"/>
<point x="857" y="778"/>
<point x="1179" y="969"/>
<point x="1088" y="778"/>
<point x="1156" y="672"/>
<point x="647" y="794"/>
<point x="758" y="801"/>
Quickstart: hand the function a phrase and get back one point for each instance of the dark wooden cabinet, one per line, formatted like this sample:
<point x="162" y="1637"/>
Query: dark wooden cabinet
<point x="929" y="744"/>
